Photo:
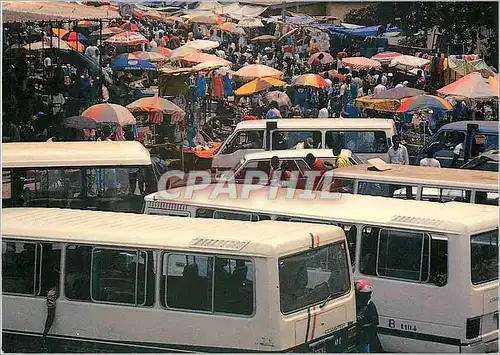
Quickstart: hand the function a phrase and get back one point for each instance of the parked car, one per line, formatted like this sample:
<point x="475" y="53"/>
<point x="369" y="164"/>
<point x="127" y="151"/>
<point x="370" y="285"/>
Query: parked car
<point x="485" y="161"/>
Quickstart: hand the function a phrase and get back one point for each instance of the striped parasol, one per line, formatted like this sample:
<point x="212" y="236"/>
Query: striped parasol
<point x="258" y="85"/>
<point x="74" y="37"/>
<point x="386" y="56"/>
<point x="359" y="63"/>
<point x="127" y="38"/>
<point x="313" y="80"/>
<point x="424" y="102"/>
<point x="110" y="113"/>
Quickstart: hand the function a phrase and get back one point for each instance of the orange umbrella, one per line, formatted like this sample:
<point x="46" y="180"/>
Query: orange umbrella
<point x="162" y="50"/>
<point x="257" y="85"/>
<point x="313" y="80"/>
<point x="493" y="81"/>
<point x="199" y="57"/>
<point x="77" y="46"/>
<point x="59" y="32"/>
<point x="154" y="104"/>
<point x="231" y="28"/>
<point x="335" y="74"/>
<point x="253" y="71"/>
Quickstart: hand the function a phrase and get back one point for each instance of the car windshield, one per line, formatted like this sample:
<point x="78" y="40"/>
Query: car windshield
<point x="313" y="276"/>
<point x="226" y="175"/>
<point x="484" y="257"/>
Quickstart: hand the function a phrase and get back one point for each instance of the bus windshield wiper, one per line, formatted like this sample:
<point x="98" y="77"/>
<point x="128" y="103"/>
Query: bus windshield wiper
<point x="331" y="296"/>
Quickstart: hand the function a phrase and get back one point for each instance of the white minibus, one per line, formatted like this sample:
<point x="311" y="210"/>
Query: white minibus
<point x="365" y="137"/>
<point x="434" y="266"/>
<point x="83" y="175"/>
<point x="156" y="284"/>
<point x="415" y="183"/>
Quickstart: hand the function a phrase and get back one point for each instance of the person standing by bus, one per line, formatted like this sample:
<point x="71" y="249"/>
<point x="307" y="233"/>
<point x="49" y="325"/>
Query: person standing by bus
<point x="366" y="317"/>
<point x="398" y="154"/>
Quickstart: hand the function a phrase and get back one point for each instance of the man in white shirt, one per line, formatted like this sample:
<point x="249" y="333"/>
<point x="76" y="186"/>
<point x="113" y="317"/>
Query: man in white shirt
<point x="323" y="113"/>
<point x="430" y="162"/>
<point x="153" y="43"/>
<point x="379" y="88"/>
<point x="398" y="154"/>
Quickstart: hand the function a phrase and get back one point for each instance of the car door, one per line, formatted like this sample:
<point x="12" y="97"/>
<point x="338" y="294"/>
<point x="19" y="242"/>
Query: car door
<point x="231" y="152"/>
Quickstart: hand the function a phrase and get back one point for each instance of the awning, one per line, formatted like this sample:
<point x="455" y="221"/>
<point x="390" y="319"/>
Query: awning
<point x="20" y="11"/>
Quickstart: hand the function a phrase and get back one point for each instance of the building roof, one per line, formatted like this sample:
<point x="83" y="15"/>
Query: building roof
<point x="267" y="238"/>
<point x="321" y="123"/>
<point x="76" y="154"/>
<point x="401" y="174"/>
<point x="454" y="217"/>
<point x="24" y="11"/>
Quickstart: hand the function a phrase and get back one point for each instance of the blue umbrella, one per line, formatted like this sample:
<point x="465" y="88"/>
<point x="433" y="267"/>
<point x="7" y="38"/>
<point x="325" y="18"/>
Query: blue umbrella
<point x="129" y="61"/>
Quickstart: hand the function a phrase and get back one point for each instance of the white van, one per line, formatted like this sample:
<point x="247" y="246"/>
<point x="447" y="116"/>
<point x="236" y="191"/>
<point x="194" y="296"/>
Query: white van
<point x="366" y="137"/>
<point x="434" y="267"/>
<point x="157" y="284"/>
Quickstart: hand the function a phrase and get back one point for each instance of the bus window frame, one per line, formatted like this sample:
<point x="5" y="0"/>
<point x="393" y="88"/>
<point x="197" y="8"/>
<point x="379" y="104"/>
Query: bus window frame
<point x="163" y="293"/>
<point x="250" y="215"/>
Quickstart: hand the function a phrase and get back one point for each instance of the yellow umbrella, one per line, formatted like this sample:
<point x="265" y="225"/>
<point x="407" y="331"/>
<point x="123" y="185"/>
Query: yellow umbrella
<point x="257" y="85"/>
<point x="253" y="71"/>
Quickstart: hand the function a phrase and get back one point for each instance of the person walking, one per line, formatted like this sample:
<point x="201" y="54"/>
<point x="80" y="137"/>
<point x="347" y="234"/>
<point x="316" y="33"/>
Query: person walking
<point x="398" y="154"/>
<point x="366" y="317"/>
<point x="429" y="160"/>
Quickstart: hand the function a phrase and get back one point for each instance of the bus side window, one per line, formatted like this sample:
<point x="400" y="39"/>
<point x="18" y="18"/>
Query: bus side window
<point x="368" y="257"/>
<point x="351" y="234"/>
<point x="189" y="281"/>
<point x="439" y="262"/>
<point x="282" y="219"/>
<point x="121" y="276"/>
<point x="342" y="185"/>
<point x="233" y="286"/>
<point x="77" y="277"/>
<point x="487" y="198"/>
<point x="263" y="217"/>
<point x="51" y="264"/>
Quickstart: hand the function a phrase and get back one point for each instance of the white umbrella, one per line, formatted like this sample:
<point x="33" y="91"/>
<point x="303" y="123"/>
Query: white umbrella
<point x="250" y="23"/>
<point x="408" y="61"/>
<point x="202" y="44"/>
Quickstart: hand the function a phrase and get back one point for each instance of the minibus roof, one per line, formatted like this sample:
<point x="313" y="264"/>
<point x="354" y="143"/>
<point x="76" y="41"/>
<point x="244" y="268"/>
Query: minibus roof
<point x="420" y="175"/>
<point x="290" y="153"/>
<point x="321" y="123"/>
<point x="483" y="126"/>
<point x="267" y="238"/>
<point x="74" y="154"/>
<point x="451" y="217"/>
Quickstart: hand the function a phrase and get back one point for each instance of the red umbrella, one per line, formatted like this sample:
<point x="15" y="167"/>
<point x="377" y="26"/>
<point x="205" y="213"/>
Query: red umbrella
<point x="127" y="38"/>
<point x="359" y="63"/>
<point x="386" y="56"/>
<point x="327" y="58"/>
<point x="128" y="26"/>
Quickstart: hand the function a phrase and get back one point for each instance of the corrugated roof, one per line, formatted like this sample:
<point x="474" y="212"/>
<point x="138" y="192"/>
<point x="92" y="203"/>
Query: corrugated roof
<point x="24" y="11"/>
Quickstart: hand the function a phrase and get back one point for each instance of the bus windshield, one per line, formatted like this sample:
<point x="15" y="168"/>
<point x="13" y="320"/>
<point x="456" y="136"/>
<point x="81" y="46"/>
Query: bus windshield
<point x="484" y="257"/>
<point x="313" y="276"/>
<point x="98" y="188"/>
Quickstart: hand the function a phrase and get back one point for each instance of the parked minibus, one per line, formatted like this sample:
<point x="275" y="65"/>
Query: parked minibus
<point x="365" y="137"/>
<point x="156" y="284"/>
<point x="83" y="175"/>
<point x="434" y="267"/>
<point x="415" y="183"/>
<point x="475" y="137"/>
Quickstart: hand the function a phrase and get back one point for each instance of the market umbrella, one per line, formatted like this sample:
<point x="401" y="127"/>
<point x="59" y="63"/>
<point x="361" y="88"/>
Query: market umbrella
<point x="209" y="66"/>
<point x="472" y="86"/>
<point x="128" y="61"/>
<point x="407" y="62"/>
<point x="79" y="122"/>
<point x="199" y="57"/>
<point x="110" y="113"/>
<point x="206" y="19"/>
<point x="150" y="56"/>
<point x="386" y="105"/>
<point x="162" y="50"/>
<point x="279" y="96"/>
<point x="127" y="38"/>
<point x="386" y="56"/>
<point x="313" y="80"/>
<point x="335" y="74"/>
<point x="257" y="85"/>
<point x="56" y="43"/>
<point x="59" y="32"/>
<point x="264" y="39"/>
<point x="398" y="93"/>
<point x="231" y="27"/>
<point x="74" y="37"/>
<point x="154" y="104"/>
<point x="424" y="102"/>
<point x="250" y="23"/>
<point x="173" y="19"/>
<point x="288" y="34"/>
<point x="493" y="81"/>
<point x="359" y="63"/>
<point x="253" y="71"/>
<point x="128" y="26"/>
<point x="181" y="52"/>
<point x="327" y="58"/>
<point x="86" y="23"/>
<point x="202" y="44"/>
<point x="106" y="32"/>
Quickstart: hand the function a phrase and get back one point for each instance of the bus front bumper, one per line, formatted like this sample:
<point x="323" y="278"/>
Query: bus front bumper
<point x="481" y="347"/>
